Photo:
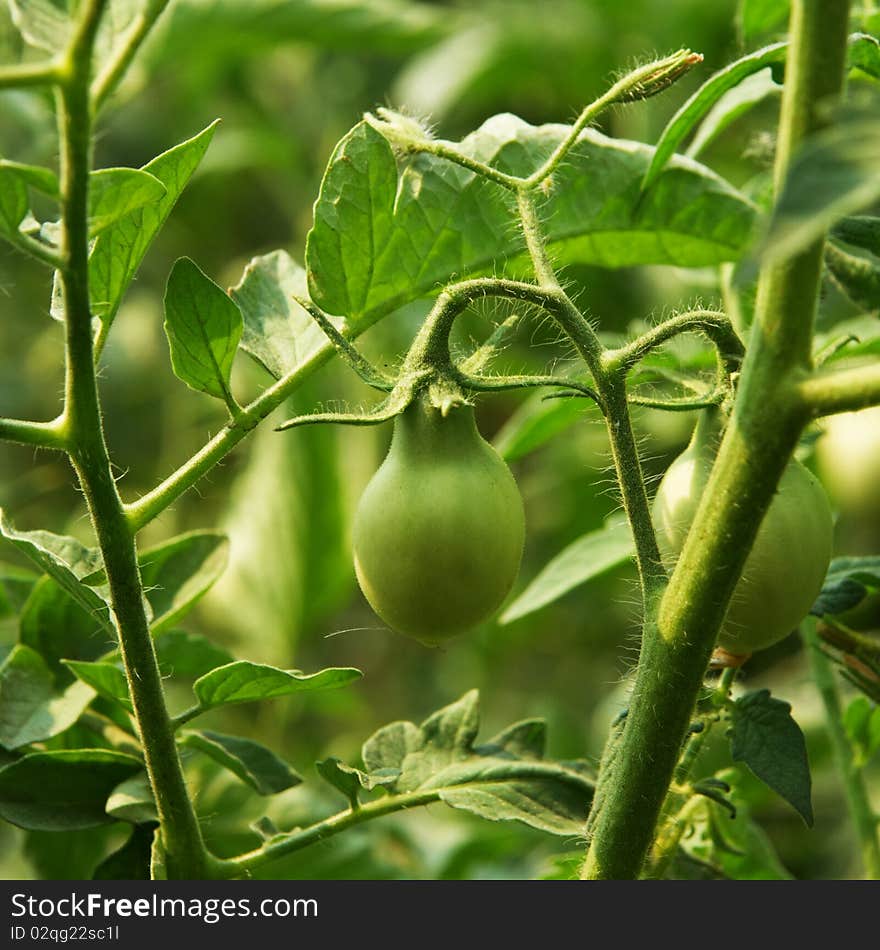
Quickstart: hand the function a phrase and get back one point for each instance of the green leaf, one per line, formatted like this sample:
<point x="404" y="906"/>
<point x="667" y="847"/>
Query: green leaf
<point x="861" y="720"/>
<point x="31" y="709"/>
<point x="177" y="573"/>
<point x="185" y="654"/>
<point x="864" y="54"/>
<point x="63" y="790"/>
<point x="203" y="327"/>
<point x="348" y="780"/>
<point x="765" y="737"/>
<point x="835" y="174"/>
<point x="106" y="679"/>
<point x="58" y="627"/>
<point x="758" y="17"/>
<point x="389" y="746"/>
<point x="131" y="862"/>
<point x="589" y="556"/>
<point x="378" y="243"/>
<point x="537" y="421"/>
<point x="735" y="103"/>
<point x="64" y="559"/>
<point x="16" y="585"/>
<point x="115" y="192"/>
<point x="504" y="779"/>
<point x="13" y="202"/>
<point x="245" y="682"/>
<point x="71" y="856"/>
<point x="254" y="764"/>
<point x="132" y="800"/>
<point x="118" y="251"/>
<point x="43" y="23"/>
<point x="42" y="179"/>
<point x="699" y="104"/>
<point x="847" y="583"/>
<point x="278" y="333"/>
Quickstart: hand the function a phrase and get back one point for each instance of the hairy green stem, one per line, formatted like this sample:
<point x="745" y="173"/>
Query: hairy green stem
<point x="863" y="818"/>
<point x="843" y="390"/>
<point x="767" y="420"/>
<point x="46" y="435"/>
<point x="84" y="432"/>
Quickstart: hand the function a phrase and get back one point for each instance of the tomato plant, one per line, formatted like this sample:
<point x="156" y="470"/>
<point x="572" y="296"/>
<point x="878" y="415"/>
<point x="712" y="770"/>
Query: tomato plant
<point x="554" y="286"/>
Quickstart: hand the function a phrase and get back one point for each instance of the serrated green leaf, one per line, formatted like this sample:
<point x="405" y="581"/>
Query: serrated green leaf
<point x="203" y="326"/>
<point x="834" y="174"/>
<point x="253" y="763"/>
<point x="118" y="251"/>
<point x="699" y="104"/>
<point x="848" y="581"/>
<point x="131" y="862"/>
<point x="177" y="573"/>
<point x="245" y="682"/>
<point x="66" y="560"/>
<point x="106" y="679"/>
<point x="132" y="800"/>
<point x="342" y="777"/>
<point x="766" y="738"/>
<point x="278" y="333"/>
<point x="62" y="790"/>
<point x="42" y="179"/>
<point x="185" y="654"/>
<point x="31" y="709"/>
<point x="389" y="746"/>
<point x="590" y="556"/>
<point x="861" y="720"/>
<point x="378" y="243"/>
<point x="116" y="192"/>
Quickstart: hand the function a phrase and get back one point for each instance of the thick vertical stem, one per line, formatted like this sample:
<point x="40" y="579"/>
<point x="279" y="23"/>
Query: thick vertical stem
<point x="863" y="818"/>
<point x="84" y="433"/>
<point x="760" y="438"/>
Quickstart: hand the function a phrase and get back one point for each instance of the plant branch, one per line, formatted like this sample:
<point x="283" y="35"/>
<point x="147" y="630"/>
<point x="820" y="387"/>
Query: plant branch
<point x="181" y="836"/>
<point x="763" y="431"/>
<point x="841" y="390"/>
<point x="108" y="78"/>
<point x="28" y="75"/>
<point x="863" y="818"/>
<point x="45" y="435"/>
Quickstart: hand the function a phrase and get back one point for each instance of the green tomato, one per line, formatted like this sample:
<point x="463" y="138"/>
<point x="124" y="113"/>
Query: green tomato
<point x="848" y="460"/>
<point x="786" y="567"/>
<point x="439" y="530"/>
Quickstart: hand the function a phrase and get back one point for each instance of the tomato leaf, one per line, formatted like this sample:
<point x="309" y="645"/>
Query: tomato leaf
<point x="848" y="581"/>
<point x="203" y="326"/>
<point x="278" y="333"/>
<point x="379" y="242"/>
<point x="254" y="764"/>
<point x="589" y="556"/>
<point x="245" y="682"/>
<point x="106" y="679"/>
<point x="62" y="790"/>
<point x="857" y="276"/>
<point x="132" y="800"/>
<point x="131" y="862"/>
<point x="181" y="653"/>
<point x="31" y="708"/>
<point x="119" y="250"/>
<point x="758" y="17"/>
<point x="766" y="738"/>
<point x="114" y="192"/>
<point x="861" y="230"/>
<point x="504" y="779"/>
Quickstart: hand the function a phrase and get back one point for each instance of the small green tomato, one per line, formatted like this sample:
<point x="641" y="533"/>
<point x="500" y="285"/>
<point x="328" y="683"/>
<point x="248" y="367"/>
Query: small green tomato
<point x="439" y="530"/>
<point x="786" y="567"/>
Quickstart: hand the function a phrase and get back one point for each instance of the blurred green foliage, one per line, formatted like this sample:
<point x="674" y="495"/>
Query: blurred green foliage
<point x="288" y="80"/>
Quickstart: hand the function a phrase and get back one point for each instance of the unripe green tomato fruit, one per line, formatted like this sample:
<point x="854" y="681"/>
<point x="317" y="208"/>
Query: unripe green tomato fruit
<point x="788" y="562"/>
<point x="848" y="460"/>
<point x="439" y="530"/>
